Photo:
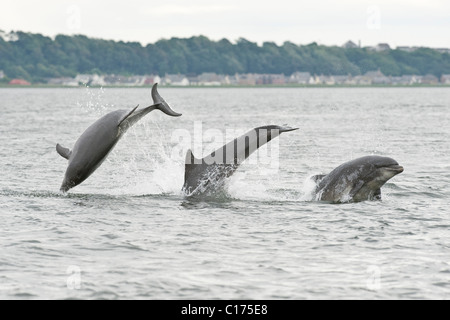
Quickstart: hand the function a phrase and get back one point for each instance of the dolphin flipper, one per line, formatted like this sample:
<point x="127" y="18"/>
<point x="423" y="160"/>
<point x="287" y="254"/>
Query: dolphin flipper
<point x="377" y="195"/>
<point x="63" y="152"/>
<point x="161" y="104"/>
<point x="358" y="185"/>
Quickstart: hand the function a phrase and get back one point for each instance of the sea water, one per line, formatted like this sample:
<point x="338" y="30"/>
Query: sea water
<point x="128" y="232"/>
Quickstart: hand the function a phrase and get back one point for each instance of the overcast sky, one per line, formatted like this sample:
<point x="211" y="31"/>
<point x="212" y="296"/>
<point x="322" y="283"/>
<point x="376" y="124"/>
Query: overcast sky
<point x="397" y="22"/>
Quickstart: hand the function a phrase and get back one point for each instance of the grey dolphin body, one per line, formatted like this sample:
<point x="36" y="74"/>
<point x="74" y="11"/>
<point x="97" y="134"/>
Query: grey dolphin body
<point x="92" y="147"/>
<point x="356" y="180"/>
<point x="205" y="176"/>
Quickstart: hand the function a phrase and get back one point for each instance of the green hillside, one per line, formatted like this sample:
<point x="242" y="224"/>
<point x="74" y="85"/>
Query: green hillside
<point x="35" y="57"/>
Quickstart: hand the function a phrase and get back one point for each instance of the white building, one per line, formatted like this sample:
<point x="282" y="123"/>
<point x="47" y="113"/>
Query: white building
<point x="407" y="49"/>
<point x="300" y="77"/>
<point x="445" y="79"/>
<point x="212" y="79"/>
<point x="12" y="36"/>
<point x="380" y="47"/>
<point x="90" y="79"/>
<point x="175" y="80"/>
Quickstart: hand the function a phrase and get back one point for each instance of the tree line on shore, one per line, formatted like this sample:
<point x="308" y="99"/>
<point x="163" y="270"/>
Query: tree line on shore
<point x="35" y="57"/>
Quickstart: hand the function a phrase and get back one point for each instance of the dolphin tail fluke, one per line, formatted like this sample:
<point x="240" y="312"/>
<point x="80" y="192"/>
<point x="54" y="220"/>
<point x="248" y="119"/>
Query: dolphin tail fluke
<point x="161" y="104"/>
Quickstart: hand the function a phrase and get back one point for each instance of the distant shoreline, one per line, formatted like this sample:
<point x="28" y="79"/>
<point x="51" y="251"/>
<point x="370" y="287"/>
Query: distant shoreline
<point x="69" y="60"/>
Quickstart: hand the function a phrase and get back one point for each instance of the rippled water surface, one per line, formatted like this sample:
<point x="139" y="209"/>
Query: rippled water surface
<point x="128" y="233"/>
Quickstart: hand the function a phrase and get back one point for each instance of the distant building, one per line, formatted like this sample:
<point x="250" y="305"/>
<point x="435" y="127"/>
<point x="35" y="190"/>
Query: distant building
<point x="19" y="82"/>
<point x="131" y="81"/>
<point x="246" y="79"/>
<point x="380" y="47"/>
<point x="429" y="79"/>
<point x="361" y="80"/>
<point x="90" y="79"/>
<point x="443" y="50"/>
<point x="277" y="79"/>
<point x="269" y="79"/>
<point x="410" y="79"/>
<point x="318" y="79"/>
<point x="300" y="77"/>
<point x="349" y="45"/>
<point x="152" y="79"/>
<point x="261" y="79"/>
<point x="405" y="80"/>
<point x="445" y="79"/>
<point x="377" y="77"/>
<point x="342" y="79"/>
<point x="211" y="79"/>
<point x="226" y="80"/>
<point x="175" y="80"/>
<point x="328" y="80"/>
<point x="12" y="36"/>
<point x="407" y="49"/>
<point x="113" y="80"/>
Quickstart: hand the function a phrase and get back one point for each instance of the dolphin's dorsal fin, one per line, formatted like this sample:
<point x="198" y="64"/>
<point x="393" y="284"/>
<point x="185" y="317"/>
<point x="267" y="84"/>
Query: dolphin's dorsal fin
<point x="191" y="159"/>
<point x="125" y="117"/>
<point x="63" y="152"/>
<point x="189" y="163"/>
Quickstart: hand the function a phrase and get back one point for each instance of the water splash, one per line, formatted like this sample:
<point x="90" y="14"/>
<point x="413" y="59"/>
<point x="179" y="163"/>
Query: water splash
<point x="92" y="101"/>
<point x="145" y="161"/>
<point x="309" y="190"/>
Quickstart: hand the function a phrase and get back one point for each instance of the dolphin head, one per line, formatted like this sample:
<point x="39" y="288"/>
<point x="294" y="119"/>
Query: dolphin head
<point x="73" y="177"/>
<point x="386" y="168"/>
<point x="67" y="185"/>
<point x="357" y="180"/>
<point x="78" y="170"/>
<point x="377" y="171"/>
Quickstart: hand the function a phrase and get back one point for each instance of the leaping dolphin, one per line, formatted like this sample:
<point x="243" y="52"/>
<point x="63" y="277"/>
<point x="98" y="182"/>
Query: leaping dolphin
<point x="203" y="176"/>
<point x="92" y="147"/>
<point x="357" y="180"/>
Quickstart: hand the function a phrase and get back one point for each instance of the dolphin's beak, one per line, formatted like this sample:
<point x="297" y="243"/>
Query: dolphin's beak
<point x="395" y="168"/>
<point x="66" y="186"/>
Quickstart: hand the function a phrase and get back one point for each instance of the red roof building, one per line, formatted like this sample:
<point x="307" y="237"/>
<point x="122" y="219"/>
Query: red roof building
<point x="19" y="82"/>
